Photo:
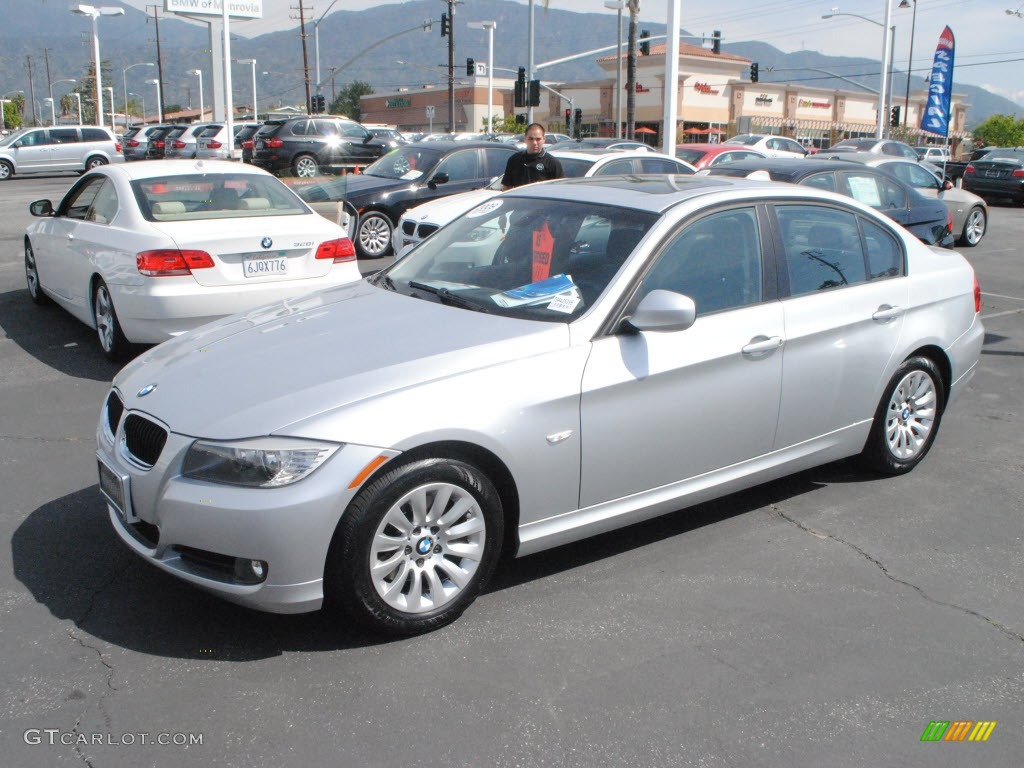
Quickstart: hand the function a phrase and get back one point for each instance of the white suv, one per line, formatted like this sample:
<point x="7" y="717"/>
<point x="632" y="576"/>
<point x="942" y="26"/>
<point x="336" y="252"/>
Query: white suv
<point x="57" y="148"/>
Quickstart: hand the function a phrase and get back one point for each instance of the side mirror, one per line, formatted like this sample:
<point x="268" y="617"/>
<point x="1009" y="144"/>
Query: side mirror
<point x="439" y="178"/>
<point x="947" y="184"/>
<point x="662" y="310"/>
<point x="41" y="208"/>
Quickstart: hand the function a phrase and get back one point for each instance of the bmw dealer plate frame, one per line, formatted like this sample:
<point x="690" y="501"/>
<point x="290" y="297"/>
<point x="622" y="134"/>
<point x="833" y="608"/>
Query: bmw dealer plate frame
<point x="116" y="489"/>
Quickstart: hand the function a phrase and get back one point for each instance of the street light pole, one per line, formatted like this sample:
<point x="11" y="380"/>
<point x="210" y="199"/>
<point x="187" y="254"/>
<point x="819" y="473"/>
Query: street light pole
<point x="124" y="80"/>
<point x="110" y="92"/>
<point x="316" y="43"/>
<point x="618" y="5"/>
<point x="910" y="63"/>
<point x="490" y="26"/>
<point x="53" y="104"/>
<point x="887" y="40"/>
<point x="255" y="112"/>
<point x="159" y="104"/>
<point x="94" y="13"/>
<point x="78" y="98"/>
<point x="199" y="74"/>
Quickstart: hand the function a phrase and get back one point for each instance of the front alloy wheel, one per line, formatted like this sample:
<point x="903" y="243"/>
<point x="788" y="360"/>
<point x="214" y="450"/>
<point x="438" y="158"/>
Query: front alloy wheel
<point x="974" y="228"/>
<point x="907" y="418"/>
<point x="415" y="547"/>
<point x="374" y="235"/>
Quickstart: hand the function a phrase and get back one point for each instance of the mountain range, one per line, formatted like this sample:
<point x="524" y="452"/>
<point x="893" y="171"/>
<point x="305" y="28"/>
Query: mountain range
<point x="367" y="46"/>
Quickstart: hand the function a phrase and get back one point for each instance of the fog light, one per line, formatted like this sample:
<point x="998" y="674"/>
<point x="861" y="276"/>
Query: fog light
<point x="250" y="571"/>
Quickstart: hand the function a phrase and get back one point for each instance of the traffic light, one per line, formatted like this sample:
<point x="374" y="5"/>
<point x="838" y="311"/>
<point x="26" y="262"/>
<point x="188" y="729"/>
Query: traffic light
<point x="519" y="94"/>
<point x="894" y="117"/>
<point x="568" y="119"/>
<point x="533" y="99"/>
<point x="520" y="119"/>
<point x="579" y="121"/>
<point x="470" y="67"/>
<point x="444" y="25"/>
<point x="716" y="42"/>
<point x="753" y="72"/>
<point x="319" y="103"/>
<point x="645" y="44"/>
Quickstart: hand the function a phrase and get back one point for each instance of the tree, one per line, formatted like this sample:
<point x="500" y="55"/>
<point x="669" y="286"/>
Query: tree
<point x="347" y="102"/>
<point x="506" y="124"/>
<point x="1001" y="131"/>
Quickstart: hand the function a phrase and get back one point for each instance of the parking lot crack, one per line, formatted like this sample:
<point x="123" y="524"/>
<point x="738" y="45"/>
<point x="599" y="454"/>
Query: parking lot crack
<point x="885" y="571"/>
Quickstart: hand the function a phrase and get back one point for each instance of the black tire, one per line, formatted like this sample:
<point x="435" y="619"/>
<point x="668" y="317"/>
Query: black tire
<point x="108" y="329"/>
<point x="94" y="162"/>
<point x="975" y="226"/>
<point x="305" y="166"/>
<point x="907" y="419"/>
<point x="375" y="235"/>
<point x="35" y="287"/>
<point x="425" y="576"/>
<point x="6" y="170"/>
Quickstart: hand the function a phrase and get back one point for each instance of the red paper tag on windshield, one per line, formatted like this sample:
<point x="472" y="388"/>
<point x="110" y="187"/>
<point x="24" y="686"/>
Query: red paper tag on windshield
<point x="543" y="247"/>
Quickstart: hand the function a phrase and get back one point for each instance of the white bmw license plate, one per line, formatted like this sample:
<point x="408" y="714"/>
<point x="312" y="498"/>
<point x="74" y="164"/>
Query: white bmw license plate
<point x="114" y="488"/>
<point x="262" y="264"/>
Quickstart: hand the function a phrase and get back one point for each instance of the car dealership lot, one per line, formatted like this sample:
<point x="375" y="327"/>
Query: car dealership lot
<point x="826" y="619"/>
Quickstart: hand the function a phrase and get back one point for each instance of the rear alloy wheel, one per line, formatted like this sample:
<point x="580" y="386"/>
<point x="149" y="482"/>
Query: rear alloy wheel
<point x="374" y="235"/>
<point x="112" y="340"/>
<point x="974" y="228"/>
<point x="94" y="162"/>
<point x="6" y="170"/>
<point x="907" y="418"/>
<point x="35" y="288"/>
<point x="306" y="167"/>
<point x="415" y="547"/>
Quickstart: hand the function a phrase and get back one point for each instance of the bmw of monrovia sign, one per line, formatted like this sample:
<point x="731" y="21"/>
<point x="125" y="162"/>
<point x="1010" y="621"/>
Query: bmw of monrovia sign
<point x="239" y="9"/>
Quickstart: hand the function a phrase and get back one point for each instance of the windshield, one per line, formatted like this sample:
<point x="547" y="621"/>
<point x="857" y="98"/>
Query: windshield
<point x="8" y="140"/>
<point x="691" y="156"/>
<point x="215" y="196"/>
<point x="538" y="259"/>
<point x="404" y="163"/>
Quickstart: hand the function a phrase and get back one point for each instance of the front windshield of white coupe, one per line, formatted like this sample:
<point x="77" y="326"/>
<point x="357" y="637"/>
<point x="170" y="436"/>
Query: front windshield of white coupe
<point x="525" y="257"/>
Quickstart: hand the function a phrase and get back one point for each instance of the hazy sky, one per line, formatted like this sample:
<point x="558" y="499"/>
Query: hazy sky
<point x="990" y="43"/>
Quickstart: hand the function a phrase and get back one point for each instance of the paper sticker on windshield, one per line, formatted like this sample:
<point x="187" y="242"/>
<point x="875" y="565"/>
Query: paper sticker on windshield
<point x="410" y="175"/>
<point x="566" y="302"/>
<point x="484" y="208"/>
<point x="543" y="292"/>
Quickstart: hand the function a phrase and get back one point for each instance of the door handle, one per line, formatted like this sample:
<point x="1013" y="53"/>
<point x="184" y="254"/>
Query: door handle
<point x="887" y="313"/>
<point x="762" y="345"/>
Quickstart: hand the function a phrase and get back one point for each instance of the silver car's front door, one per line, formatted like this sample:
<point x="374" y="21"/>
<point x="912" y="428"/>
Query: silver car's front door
<point x="660" y="407"/>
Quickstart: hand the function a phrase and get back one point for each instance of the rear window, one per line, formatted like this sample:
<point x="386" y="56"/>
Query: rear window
<point x="215" y="196"/>
<point x="95" y="134"/>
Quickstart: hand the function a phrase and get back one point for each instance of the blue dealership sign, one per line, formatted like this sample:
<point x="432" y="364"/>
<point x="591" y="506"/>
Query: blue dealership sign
<point x="935" y="118"/>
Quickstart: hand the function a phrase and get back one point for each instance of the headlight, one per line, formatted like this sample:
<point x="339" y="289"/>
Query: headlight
<point x="258" y="463"/>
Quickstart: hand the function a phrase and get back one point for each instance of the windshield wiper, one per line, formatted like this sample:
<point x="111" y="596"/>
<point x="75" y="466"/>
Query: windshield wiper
<point x="447" y="297"/>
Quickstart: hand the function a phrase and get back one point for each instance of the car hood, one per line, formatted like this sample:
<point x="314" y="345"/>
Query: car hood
<point x="444" y="209"/>
<point x="259" y="372"/>
<point x="353" y="187"/>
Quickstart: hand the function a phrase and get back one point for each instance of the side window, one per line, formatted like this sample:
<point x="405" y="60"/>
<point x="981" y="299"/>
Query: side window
<point x="823" y="248"/>
<point x="495" y="161"/>
<point x="885" y="255"/>
<point x="64" y="135"/>
<point x="660" y="165"/>
<point x="354" y="131"/>
<point x="461" y="166"/>
<point x="325" y="128"/>
<point x="878" y="191"/>
<point x="94" y="134"/>
<point x="821" y="181"/>
<point x="716" y="261"/>
<point x="917" y="176"/>
<point x="35" y="139"/>
<point x="773" y="144"/>
<point x="301" y="128"/>
<point x="104" y="206"/>
<point x="80" y="199"/>
<point x="615" y="166"/>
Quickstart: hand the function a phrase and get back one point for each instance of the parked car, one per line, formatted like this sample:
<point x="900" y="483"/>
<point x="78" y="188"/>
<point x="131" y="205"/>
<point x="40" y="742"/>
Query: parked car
<point x="878" y="146"/>
<point x="969" y="212"/>
<point x="999" y="174"/>
<point x="407" y="176"/>
<point x="954" y="169"/>
<point x="62" y="148"/>
<point x="389" y="137"/>
<point x="143" y="252"/>
<point x="929" y="219"/>
<point x="306" y="146"/>
<point x="596" y="142"/>
<point x="135" y="141"/>
<point x="183" y="144"/>
<point x="619" y="354"/>
<point x="425" y="219"/>
<point x="768" y="145"/>
<point x="213" y="142"/>
<point x="156" y="147"/>
<point x="933" y="154"/>
<point x="706" y="155"/>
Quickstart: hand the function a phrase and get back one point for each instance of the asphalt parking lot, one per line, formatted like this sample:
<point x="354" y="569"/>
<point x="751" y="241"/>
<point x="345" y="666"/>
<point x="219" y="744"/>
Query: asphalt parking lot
<point x="822" y="620"/>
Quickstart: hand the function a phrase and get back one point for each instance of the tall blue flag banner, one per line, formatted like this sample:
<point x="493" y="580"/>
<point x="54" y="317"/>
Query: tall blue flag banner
<point x="935" y="118"/>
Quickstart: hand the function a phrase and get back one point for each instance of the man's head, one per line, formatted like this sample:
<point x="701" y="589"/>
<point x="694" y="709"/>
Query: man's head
<point x="534" y="138"/>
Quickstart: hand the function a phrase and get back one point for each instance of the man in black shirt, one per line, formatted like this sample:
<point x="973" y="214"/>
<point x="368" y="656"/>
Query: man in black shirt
<point x="532" y="164"/>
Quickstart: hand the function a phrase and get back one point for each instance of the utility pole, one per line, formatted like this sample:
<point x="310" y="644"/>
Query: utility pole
<point x="31" y="88"/>
<point x="305" y="57"/>
<point x="451" y="66"/>
<point x="159" y="59"/>
<point x="49" y="82"/>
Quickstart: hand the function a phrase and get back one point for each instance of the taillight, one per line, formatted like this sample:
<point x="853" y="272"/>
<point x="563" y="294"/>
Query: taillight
<point x="178" y="144"/>
<point x="159" y="144"/>
<point x="1018" y="174"/>
<point x="132" y="143"/>
<point x="977" y="294"/>
<point x="168" y="262"/>
<point x="273" y="143"/>
<point x="969" y="169"/>
<point x="341" y="250"/>
<point x="117" y="146"/>
<point x="247" y="144"/>
<point x="214" y="145"/>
